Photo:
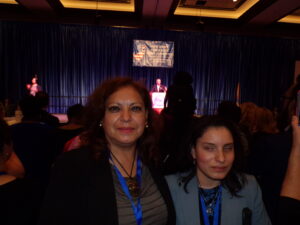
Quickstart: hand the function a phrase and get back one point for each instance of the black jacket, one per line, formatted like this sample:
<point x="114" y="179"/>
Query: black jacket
<point x="81" y="192"/>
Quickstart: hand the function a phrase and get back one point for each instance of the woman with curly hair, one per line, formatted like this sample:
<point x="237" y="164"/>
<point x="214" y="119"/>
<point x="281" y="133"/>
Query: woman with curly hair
<point x="113" y="178"/>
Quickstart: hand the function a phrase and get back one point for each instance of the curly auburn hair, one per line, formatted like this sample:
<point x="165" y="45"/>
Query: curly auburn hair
<point x="94" y="136"/>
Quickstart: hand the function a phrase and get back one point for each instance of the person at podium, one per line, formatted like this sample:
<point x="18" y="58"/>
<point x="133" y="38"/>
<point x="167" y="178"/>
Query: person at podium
<point x="158" y="87"/>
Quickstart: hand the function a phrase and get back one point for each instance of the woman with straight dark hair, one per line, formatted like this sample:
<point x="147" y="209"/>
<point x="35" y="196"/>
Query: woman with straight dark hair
<point x="214" y="191"/>
<point x="113" y="178"/>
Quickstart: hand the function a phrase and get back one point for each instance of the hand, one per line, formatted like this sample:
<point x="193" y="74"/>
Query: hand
<point x="296" y="132"/>
<point x="28" y="86"/>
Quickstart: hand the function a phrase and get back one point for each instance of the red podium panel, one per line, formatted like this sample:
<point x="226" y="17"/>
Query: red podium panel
<point x="158" y="101"/>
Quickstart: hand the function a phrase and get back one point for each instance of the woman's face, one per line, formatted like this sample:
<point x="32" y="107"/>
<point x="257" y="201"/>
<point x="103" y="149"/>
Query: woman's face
<point x="214" y="155"/>
<point x="125" y="118"/>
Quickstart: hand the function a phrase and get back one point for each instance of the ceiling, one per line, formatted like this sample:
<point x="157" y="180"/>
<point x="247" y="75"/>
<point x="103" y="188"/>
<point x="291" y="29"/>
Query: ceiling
<point x="254" y="17"/>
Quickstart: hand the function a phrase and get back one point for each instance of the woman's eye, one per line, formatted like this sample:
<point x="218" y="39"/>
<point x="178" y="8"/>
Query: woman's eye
<point x="209" y="148"/>
<point x="228" y="148"/>
<point x="136" y="108"/>
<point x="113" y="108"/>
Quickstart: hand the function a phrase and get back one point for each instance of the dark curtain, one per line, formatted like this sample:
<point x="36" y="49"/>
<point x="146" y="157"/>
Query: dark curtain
<point x="71" y="60"/>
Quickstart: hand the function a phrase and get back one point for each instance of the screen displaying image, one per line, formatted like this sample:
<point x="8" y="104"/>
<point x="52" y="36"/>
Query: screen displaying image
<point x="153" y="53"/>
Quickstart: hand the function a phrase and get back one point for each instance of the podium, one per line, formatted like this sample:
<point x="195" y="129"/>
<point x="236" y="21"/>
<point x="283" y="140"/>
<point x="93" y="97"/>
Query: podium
<point x="158" y="99"/>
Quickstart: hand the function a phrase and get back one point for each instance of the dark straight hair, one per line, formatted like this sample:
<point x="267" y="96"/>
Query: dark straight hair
<point x="235" y="179"/>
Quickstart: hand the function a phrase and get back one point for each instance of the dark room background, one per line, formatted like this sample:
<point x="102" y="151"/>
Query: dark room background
<point x="71" y="60"/>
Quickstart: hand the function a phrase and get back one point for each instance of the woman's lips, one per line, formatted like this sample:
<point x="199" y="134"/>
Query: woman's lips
<point x="125" y="129"/>
<point x="219" y="168"/>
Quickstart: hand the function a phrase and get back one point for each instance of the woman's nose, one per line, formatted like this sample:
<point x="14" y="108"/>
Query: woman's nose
<point x="220" y="156"/>
<point x="125" y="115"/>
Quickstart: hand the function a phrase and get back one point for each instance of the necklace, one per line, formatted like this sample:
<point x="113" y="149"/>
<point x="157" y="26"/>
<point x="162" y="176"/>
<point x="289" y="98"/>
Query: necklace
<point x="210" y="197"/>
<point x="131" y="182"/>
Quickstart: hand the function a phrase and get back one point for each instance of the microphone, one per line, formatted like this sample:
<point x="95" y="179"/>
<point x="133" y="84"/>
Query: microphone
<point x="247" y="216"/>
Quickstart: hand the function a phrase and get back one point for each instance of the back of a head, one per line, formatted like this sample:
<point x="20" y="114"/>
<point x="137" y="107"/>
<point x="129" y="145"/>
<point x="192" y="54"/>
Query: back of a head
<point x="266" y="121"/>
<point x="182" y="78"/>
<point x="248" y="118"/>
<point x="42" y="99"/>
<point x="75" y="112"/>
<point x="230" y="111"/>
<point x="5" y="138"/>
<point x="180" y="96"/>
<point x="30" y="108"/>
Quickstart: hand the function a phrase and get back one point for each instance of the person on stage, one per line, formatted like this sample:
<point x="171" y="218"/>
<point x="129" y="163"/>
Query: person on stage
<point x="34" y="87"/>
<point x="158" y="87"/>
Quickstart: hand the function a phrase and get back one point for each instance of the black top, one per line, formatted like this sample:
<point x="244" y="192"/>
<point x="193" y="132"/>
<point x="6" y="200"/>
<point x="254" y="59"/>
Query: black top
<point x="36" y="145"/>
<point x="19" y="202"/>
<point x="81" y="191"/>
<point x="289" y="211"/>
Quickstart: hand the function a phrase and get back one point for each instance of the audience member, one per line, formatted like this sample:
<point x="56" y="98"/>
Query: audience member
<point x="73" y="127"/>
<point x="214" y="191"/>
<point x="269" y="148"/>
<point x="20" y="198"/>
<point x="9" y="108"/>
<point x="43" y="103"/>
<point x="266" y="121"/>
<point x="180" y="98"/>
<point x="229" y="111"/>
<point x="35" y="143"/>
<point x="112" y="180"/>
<point x="2" y="111"/>
<point x="177" y="115"/>
<point x="248" y="120"/>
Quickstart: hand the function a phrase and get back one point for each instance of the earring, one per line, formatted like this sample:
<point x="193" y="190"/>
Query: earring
<point x="100" y="124"/>
<point x="146" y="125"/>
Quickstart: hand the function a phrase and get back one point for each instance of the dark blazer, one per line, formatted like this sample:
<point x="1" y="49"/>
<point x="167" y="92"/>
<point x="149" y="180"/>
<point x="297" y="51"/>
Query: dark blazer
<point x="162" y="88"/>
<point x="81" y="192"/>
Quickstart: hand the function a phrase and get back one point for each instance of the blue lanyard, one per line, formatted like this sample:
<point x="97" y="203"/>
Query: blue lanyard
<point x="216" y="209"/>
<point x="137" y="208"/>
<point x="2" y="173"/>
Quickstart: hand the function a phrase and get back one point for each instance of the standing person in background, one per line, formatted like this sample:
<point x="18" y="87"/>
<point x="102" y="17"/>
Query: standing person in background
<point x="178" y="113"/>
<point x="34" y="87"/>
<point x="112" y="179"/>
<point x="215" y="191"/>
<point x="158" y="87"/>
<point x="20" y="198"/>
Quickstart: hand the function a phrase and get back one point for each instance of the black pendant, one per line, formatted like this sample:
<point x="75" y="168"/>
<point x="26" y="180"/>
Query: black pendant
<point x="133" y="187"/>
